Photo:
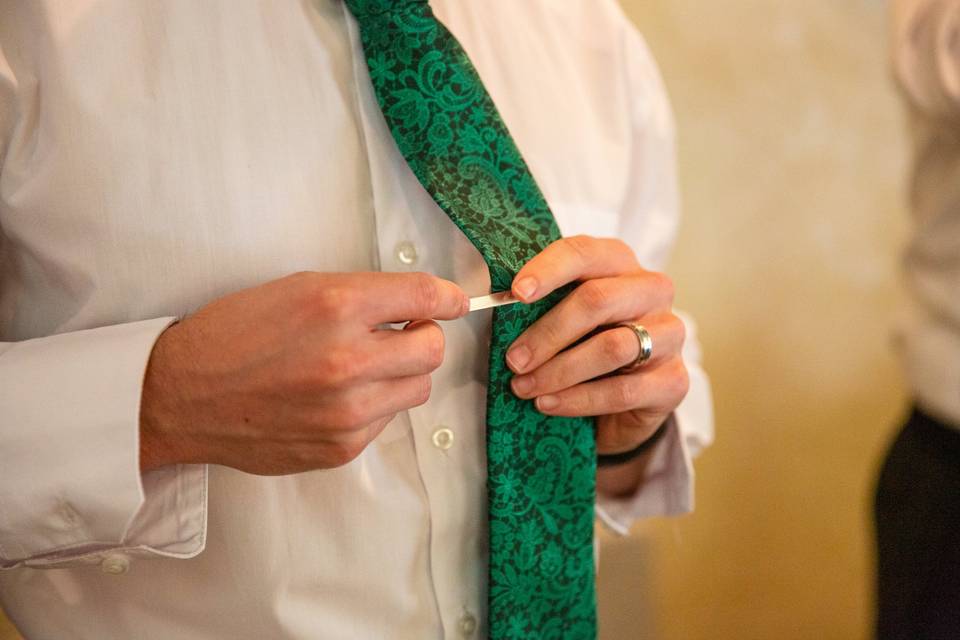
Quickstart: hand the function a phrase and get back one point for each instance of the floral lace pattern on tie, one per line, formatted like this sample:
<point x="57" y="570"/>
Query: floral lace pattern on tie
<point x="541" y="470"/>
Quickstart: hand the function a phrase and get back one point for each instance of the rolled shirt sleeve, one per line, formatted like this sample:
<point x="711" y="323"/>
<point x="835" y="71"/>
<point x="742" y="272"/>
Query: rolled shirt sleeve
<point x="70" y="486"/>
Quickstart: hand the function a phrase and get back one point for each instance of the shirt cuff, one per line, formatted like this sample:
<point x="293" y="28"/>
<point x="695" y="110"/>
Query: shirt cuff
<point x="71" y="491"/>
<point x="665" y="490"/>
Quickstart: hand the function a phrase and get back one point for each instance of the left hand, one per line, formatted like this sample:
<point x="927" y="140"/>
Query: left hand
<point x="614" y="288"/>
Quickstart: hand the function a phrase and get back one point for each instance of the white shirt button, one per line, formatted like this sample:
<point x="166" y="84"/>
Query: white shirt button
<point x="115" y="564"/>
<point x="407" y="253"/>
<point x="443" y="438"/>
<point x="468" y="625"/>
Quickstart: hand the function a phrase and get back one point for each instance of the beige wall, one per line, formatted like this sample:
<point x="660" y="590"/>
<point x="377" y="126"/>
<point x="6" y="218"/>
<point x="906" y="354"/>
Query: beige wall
<point x="792" y="161"/>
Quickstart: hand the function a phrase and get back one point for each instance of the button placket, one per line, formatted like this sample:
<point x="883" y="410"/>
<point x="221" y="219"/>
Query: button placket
<point x="452" y="479"/>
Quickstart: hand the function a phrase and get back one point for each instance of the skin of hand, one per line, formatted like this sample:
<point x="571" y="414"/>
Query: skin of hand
<point x="576" y="380"/>
<point x="296" y="374"/>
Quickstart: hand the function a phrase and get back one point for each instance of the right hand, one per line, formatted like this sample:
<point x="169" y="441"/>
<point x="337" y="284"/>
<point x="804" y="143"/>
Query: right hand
<point x="295" y="374"/>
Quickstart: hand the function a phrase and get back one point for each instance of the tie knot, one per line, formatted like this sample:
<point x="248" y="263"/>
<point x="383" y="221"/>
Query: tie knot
<point x="361" y="8"/>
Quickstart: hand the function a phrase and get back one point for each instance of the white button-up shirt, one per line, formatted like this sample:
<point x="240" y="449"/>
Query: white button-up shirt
<point x="157" y="155"/>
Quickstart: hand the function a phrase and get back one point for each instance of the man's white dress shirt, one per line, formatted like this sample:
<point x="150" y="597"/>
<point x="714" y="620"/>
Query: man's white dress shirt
<point x="927" y="67"/>
<point x="157" y="155"/>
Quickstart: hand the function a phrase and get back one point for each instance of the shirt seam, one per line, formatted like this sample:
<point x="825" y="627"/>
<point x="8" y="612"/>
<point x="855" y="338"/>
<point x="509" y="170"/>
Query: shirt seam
<point x="358" y="77"/>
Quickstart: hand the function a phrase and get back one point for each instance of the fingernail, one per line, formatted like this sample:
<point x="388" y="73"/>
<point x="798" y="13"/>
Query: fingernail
<point x="519" y="358"/>
<point x="465" y="306"/>
<point x="522" y="385"/>
<point x="548" y="403"/>
<point x="525" y="287"/>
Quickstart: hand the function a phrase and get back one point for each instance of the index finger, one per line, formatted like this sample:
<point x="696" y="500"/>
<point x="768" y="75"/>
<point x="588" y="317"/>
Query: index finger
<point x="402" y="297"/>
<point x="570" y="259"/>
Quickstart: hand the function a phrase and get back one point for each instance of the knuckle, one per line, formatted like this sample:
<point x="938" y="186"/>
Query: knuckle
<point x="625" y="392"/>
<point x="421" y="394"/>
<point x="340" y="367"/>
<point x="558" y="245"/>
<point x="618" y="245"/>
<point x="591" y="400"/>
<point x="346" y="450"/>
<point x="334" y="302"/>
<point x="354" y="415"/>
<point x="548" y="333"/>
<point x="554" y="375"/>
<point x="351" y="414"/>
<point x="434" y="348"/>
<point x="664" y="285"/>
<point x="303" y="457"/>
<point x="580" y="245"/>
<point x="426" y="293"/>
<point x="377" y="427"/>
<point x="354" y="447"/>
<point x="679" y="381"/>
<point x="680" y="329"/>
<point x="619" y="347"/>
<point x="594" y="294"/>
<point x="303" y="287"/>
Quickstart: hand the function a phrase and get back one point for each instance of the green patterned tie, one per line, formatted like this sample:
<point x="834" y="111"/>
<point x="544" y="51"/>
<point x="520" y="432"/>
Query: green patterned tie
<point x="540" y="470"/>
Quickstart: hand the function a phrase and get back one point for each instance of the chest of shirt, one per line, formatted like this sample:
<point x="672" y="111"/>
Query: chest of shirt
<point x="210" y="147"/>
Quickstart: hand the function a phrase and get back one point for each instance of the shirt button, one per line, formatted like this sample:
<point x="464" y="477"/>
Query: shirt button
<point x="443" y="438"/>
<point x="407" y="253"/>
<point x="115" y="564"/>
<point x="468" y="625"/>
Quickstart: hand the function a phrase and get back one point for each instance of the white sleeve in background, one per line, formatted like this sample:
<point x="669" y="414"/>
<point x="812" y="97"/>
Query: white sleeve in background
<point x="649" y="219"/>
<point x="70" y="486"/>
<point x="926" y="50"/>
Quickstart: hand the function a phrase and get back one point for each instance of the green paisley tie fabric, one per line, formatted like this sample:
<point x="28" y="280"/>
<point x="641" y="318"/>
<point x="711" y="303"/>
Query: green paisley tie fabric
<point x="541" y="470"/>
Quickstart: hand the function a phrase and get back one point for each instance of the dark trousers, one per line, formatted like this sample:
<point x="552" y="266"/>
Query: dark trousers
<point x="917" y="514"/>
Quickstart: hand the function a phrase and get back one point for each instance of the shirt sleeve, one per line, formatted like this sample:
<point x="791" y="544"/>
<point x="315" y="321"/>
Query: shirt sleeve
<point x="70" y="487"/>
<point x="926" y="54"/>
<point x="649" y="218"/>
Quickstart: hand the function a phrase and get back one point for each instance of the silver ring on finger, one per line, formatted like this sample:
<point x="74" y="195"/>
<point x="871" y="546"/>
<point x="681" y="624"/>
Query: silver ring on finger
<point x="645" y="343"/>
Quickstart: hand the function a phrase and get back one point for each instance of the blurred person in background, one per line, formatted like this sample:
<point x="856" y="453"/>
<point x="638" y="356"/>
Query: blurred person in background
<point x="918" y="492"/>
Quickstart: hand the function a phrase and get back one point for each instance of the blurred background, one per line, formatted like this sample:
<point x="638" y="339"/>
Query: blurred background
<point x="793" y="162"/>
<point x="793" y="159"/>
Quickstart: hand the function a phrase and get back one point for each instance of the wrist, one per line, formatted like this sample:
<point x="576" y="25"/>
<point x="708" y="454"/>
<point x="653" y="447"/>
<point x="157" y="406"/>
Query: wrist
<point x="620" y="475"/>
<point x="158" y="418"/>
<point x="623" y="457"/>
